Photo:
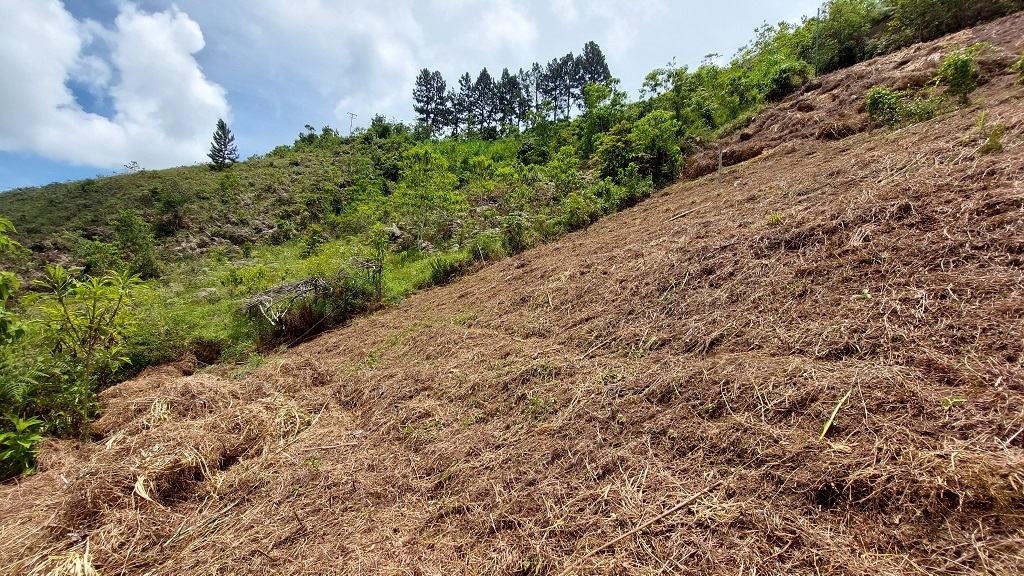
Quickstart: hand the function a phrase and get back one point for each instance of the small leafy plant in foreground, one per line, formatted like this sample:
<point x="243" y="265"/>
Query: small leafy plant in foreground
<point x="17" y="448"/>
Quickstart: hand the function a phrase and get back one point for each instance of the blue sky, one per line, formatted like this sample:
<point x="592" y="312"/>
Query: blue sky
<point x="91" y="85"/>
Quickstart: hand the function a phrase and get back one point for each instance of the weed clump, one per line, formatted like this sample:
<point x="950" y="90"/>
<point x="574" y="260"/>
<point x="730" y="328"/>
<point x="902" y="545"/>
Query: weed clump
<point x="898" y="107"/>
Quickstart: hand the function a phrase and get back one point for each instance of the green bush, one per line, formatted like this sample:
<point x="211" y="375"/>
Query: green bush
<point x="489" y="246"/>
<point x="518" y="235"/>
<point x="959" y="72"/>
<point x="134" y="236"/>
<point x="579" y="209"/>
<point x="788" y="78"/>
<point x="88" y="319"/>
<point x="884" y="106"/>
<point x="893" y="108"/>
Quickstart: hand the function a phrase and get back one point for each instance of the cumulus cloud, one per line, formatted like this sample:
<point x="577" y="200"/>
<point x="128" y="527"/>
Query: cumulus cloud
<point x="164" y="108"/>
<point x="353" y="54"/>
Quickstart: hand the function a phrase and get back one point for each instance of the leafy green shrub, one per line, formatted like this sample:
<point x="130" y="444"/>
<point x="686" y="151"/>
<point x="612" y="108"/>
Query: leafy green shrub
<point x="884" y="105"/>
<point x="98" y="257"/>
<point x="517" y="233"/>
<point x="893" y="107"/>
<point x="579" y="209"/>
<point x="311" y="239"/>
<point x="15" y="375"/>
<point x="247" y="279"/>
<point x="788" y="78"/>
<point x="135" y="239"/>
<point x="88" y="319"/>
<point x="17" y="447"/>
<point x="921" y="109"/>
<point x="632" y="187"/>
<point x="959" y="72"/>
<point x="63" y="395"/>
<point x="489" y="246"/>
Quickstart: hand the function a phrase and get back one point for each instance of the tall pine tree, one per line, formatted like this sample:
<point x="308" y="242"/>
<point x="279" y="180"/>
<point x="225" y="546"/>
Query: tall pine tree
<point x="431" y="100"/>
<point x="223" y="151"/>
<point x="462" y="105"/>
<point x="592" y="65"/>
<point x="483" y="101"/>
<point x="507" y="96"/>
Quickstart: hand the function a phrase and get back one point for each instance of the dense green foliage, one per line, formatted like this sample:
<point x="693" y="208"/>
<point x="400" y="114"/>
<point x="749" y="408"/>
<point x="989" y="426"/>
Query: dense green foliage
<point x="157" y="264"/>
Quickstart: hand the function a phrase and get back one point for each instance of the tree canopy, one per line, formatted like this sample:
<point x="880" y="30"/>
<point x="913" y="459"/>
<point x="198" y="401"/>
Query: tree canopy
<point x="491" y="105"/>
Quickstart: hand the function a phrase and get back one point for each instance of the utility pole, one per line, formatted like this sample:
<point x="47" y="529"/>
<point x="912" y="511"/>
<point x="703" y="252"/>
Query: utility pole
<point x="351" y="119"/>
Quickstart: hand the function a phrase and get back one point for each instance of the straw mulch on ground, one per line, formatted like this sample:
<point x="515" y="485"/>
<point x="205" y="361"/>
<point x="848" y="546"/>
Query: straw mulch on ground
<point x="646" y="396"/>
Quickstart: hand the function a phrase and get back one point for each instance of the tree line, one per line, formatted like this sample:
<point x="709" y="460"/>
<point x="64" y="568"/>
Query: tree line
<point x="488" y="106"/>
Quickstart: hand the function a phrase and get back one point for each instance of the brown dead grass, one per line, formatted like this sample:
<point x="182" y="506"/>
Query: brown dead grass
<point x="642" y="397"/>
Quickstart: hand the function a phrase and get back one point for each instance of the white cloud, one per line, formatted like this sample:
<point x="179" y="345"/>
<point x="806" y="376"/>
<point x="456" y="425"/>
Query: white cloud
<point x="502" y="28"/>
<point x="357" y="55"/>
<point x="164" y="107"/>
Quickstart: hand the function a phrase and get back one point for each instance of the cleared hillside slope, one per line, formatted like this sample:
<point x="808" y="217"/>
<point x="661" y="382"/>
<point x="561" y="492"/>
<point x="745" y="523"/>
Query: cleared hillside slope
<point x="642" y="397"/>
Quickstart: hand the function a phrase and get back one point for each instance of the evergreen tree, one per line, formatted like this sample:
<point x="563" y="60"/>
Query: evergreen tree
<point x="548" y="84"/>
<point x="592" y="66"/>
<point x="431" y="100"/>
<point x="571" y="88"/>
<point x="483" y="101"/>
<point x="507" y="96"/>
<point x="223" y="150"/>
<point x="526" y="94"/>
<point x="561" y="84"/>
<point x="462" y="105"/>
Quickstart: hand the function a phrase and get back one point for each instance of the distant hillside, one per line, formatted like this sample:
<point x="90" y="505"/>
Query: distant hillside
<point x="811" y="365"/>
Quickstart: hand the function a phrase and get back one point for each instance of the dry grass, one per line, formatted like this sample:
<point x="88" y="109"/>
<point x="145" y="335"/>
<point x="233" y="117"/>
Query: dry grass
<point x="643" y="397"/>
